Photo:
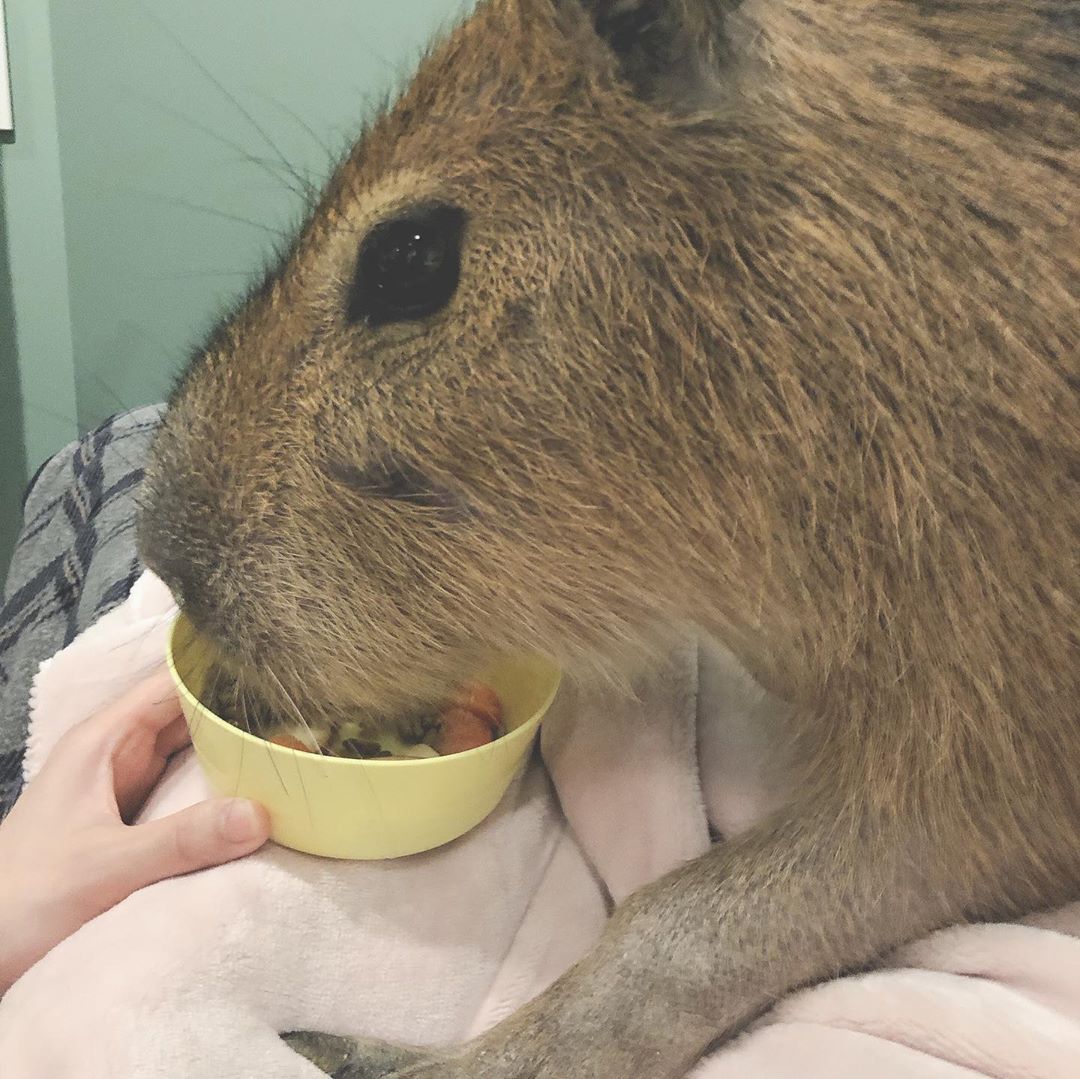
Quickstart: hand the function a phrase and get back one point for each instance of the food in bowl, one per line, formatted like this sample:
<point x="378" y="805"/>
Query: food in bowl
<point x="339" y="807"/>
<point x="470" y="718"/>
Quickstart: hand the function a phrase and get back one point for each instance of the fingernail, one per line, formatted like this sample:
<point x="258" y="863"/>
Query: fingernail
<point x="239" y="821"/>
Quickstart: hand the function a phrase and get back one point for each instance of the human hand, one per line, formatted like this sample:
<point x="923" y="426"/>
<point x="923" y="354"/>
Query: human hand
<point x="68" y="851"/>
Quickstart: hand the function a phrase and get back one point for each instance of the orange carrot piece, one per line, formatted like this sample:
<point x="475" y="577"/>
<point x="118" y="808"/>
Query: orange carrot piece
<point x="483" y="701"/>
<point x="461" y="729"/>
<point x="290" y="742"/>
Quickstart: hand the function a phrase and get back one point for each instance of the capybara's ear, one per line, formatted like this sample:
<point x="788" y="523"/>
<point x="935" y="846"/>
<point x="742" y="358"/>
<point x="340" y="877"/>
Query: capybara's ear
<point x="672" y="52"/>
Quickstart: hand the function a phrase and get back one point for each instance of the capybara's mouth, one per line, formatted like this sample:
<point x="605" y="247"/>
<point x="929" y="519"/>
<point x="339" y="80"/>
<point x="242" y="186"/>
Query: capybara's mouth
<point x="469" y="715"/>
<point x="263" y="706"/>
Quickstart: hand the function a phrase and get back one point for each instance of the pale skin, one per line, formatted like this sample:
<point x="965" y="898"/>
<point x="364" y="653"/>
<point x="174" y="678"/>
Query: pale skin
<point x="68" y="849"/>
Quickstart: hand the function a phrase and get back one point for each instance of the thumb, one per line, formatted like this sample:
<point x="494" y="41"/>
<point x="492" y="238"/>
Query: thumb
<point x="202" y="835"/>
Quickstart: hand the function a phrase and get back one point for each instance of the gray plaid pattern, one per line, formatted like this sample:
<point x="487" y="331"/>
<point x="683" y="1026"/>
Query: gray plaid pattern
<point x="75" y="560"/>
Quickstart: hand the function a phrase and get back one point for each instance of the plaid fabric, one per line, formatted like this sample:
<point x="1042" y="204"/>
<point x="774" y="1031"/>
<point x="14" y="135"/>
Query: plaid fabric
<point x="74" y="561"/>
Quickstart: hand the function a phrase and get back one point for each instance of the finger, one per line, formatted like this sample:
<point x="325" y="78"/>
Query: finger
<point x="79" y="769"/>
<point x="175" y="736"/>
<point x="139" y="763"/>
<point x="139" y="760"/>
<point x="79" y="766"/>
<point x="128" y="734"/>
<point x="149" y="706"/>
<point x="206" y="834"/>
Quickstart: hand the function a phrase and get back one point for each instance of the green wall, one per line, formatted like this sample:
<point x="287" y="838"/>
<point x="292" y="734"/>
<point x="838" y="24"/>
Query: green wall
<point x="35" y="332"/>
<point x="12" y="437"/>
<point x="140" y="195"/>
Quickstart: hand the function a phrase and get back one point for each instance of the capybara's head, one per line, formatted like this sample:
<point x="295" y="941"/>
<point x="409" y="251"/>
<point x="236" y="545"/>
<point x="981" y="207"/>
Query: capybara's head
<point x="629" y="314"/>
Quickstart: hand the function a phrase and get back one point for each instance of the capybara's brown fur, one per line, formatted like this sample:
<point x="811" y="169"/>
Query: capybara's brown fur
<point x="766" y="325"/>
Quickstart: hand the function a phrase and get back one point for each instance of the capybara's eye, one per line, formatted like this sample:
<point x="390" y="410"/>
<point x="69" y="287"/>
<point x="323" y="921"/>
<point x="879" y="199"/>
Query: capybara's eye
<point x="408" y="267"/>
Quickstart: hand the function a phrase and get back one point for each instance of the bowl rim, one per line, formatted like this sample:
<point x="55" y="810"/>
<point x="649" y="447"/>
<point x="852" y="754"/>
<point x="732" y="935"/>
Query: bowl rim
<point x="522" y="730"/>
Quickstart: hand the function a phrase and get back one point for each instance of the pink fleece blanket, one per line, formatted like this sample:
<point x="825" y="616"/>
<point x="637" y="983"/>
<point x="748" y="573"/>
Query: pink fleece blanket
<point x="193" y="977"/>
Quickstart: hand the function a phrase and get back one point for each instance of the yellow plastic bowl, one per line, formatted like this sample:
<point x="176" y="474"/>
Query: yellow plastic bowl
<point x="342" y="808"/>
